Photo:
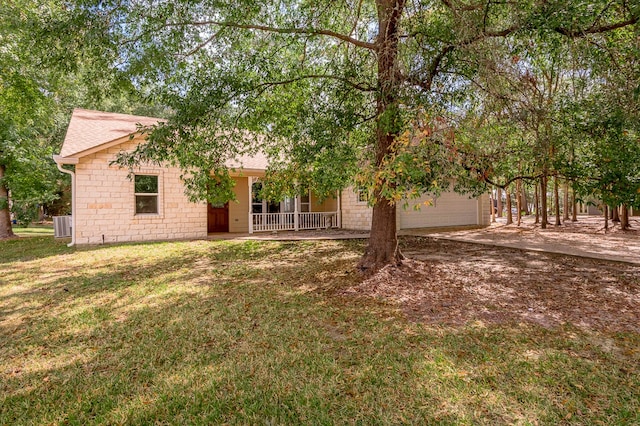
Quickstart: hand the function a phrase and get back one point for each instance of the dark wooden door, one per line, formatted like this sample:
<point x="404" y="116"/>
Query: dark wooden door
<point x="218" y="218"/>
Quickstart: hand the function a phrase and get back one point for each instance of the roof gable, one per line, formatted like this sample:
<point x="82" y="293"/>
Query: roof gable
<point x="89" y="129"/>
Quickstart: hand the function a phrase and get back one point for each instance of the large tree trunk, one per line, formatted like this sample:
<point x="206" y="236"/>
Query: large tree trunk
<point x="492" y="201"/>
<point x="500" y="207"/>
<point x="556" y="199"/>
<point x="605" y="210"/>
<point x="383" y="241"/>
<point x="565" y="204"/>
<point x="509" y="214"/>
<point x="536" y="202"/>
<point x="525" y="202"/>
<point x="543" y="202"/>
<point x="624" y="217"/>
<point x="6" y="230"/>
<point x="615" y="215"/>
<point x="574" y="206"/>
<point x="519" y="201"/>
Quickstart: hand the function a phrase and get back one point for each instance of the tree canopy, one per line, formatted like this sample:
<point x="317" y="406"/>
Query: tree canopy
<point x="396" y="97"/>
<point x="50" y="62"/>
<point x="337" y="89"/>
<point x="24" y="115"/>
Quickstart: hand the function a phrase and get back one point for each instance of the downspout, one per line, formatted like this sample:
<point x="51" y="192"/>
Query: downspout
<point x="59" y="163"/>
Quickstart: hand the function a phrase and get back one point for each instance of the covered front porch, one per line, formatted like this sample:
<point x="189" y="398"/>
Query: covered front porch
<point x="251" y="214"/>
<point x="297" y="213"/>
<point x="295" y="221"/>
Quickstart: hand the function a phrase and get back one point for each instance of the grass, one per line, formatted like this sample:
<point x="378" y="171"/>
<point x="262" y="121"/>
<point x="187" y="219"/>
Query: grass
<point x="210" y="332"/>
<point x="33" y="230"/>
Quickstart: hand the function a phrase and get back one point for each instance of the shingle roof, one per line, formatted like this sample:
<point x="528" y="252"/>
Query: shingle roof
<point x="257" y="161"/>
<point x="89" y="129"/>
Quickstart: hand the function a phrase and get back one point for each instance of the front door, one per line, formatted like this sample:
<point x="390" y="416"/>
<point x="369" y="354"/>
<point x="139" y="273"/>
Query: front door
<point x="218" y="218"/>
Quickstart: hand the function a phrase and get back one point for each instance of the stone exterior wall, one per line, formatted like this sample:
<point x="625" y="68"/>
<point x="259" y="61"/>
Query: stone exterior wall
<point x="355" y="214"/>
<point x="329" y="204"/>
<point x="105" y="205"/>
<point x="105" y="201"/>
<point x="239" y="211"/>
<point x="484" y="210"/>
<point x="448" y="210"/>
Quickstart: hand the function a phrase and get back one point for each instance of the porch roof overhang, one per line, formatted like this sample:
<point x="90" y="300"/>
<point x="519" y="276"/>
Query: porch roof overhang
<point x="242" y="172"/>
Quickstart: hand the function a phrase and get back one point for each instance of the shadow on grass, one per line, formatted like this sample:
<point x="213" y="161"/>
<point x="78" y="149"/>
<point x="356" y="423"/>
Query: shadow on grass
<point x="244" y="333"/>
<point x="111" y="274"/>
<point x="30" y="248"/>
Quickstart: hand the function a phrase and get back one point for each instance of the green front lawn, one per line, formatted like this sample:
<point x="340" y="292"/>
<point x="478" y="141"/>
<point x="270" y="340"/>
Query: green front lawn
<point x="210" y="332"/>
<point x="33" y="230"/>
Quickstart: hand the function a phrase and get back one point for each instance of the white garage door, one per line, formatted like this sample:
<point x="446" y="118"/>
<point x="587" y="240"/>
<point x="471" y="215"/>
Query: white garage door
<point x="449" y="209"/>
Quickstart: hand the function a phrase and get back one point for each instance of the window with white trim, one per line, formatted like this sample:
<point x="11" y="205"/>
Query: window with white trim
<point x="288" y="205"/>
<point x="258" y="205"/>
<point x="146" y="194"/>
<point x="363" y="196"/>
<point x="305" y="202"/>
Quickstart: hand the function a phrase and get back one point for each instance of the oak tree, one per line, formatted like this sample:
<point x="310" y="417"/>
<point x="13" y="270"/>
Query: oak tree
<point x="336" y="89"/>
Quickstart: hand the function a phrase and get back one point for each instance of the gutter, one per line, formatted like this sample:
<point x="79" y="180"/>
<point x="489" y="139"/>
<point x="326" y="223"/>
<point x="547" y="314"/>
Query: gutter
<point x="60" y="161"/>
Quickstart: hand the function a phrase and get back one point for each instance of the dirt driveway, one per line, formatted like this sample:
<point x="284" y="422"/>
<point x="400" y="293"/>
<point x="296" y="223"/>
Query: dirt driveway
<point x="446" y="281"/>
<point x="586" y="237"/>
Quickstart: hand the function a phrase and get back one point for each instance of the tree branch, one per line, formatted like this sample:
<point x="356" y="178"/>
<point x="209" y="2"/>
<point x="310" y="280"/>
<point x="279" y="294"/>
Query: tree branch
<point x="434" y="66"/>
<point x="462" y="7"/>
<point x="356" y="86"/>
<point x="201" y="45"/>
<point x="355" y="21"/>
<point x="304" y="31"/>
<point x="513" y="179"/>
<point x="432" y="70"/>
<point x="596" y="30"/>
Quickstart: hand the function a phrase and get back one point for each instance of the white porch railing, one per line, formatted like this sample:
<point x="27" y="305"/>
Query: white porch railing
<point x="272" y="221"/>
<point x="317" y="220"/>
<point x="288" y="222"/>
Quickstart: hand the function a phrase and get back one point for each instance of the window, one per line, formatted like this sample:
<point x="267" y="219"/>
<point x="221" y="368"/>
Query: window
<point x="257" y="204"/>
<point x="363" y="197"/>
<point x="305" y="204"/>
<point x="288" y="205"/>
<point x="146" y="193"/>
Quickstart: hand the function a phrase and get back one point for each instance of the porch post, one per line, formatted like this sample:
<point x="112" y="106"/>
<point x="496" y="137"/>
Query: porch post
<point x="296" y="219"/>
<point x="339" y="212"/>
<point x="250" y="180"/>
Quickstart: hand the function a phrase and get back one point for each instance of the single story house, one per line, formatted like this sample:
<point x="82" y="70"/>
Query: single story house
<point x="109" y="206"/>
